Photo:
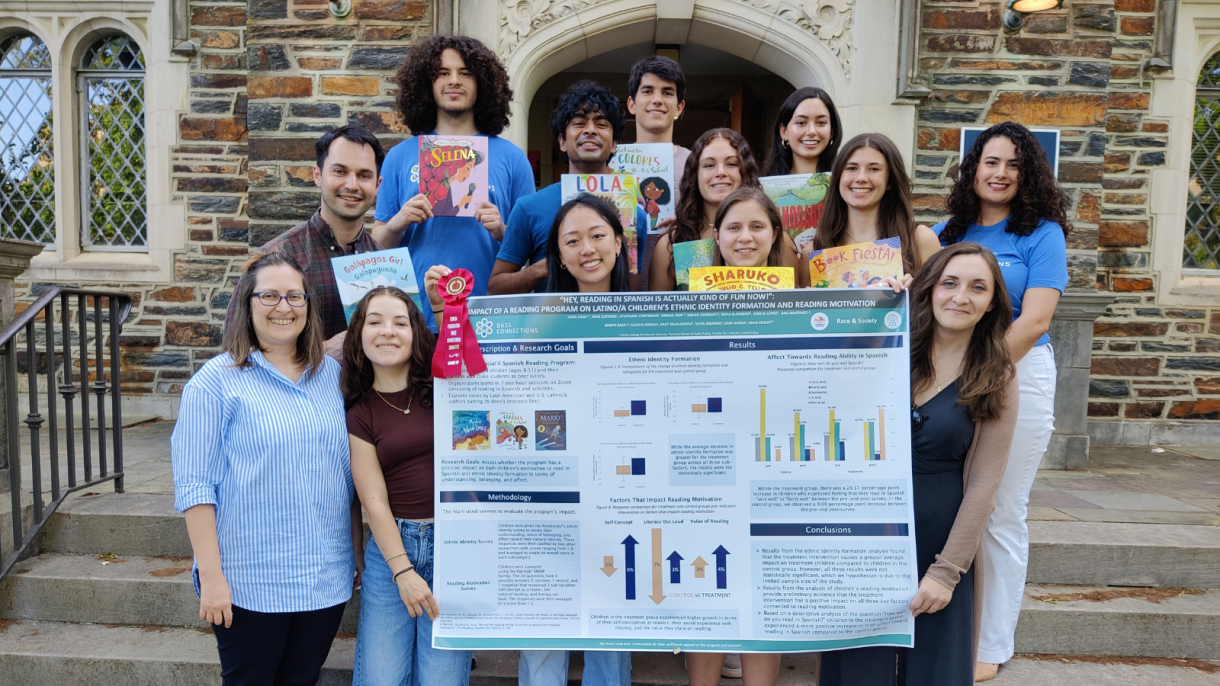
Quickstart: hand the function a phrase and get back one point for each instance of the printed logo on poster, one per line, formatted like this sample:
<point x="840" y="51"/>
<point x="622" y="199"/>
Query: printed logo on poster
<point x="819" y="321"/>
<point x="483" y="327"/>
<point x="893" y="320"/>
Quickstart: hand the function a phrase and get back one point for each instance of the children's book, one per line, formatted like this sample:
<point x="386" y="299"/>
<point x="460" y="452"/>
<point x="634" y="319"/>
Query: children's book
<point x="453" y="173"/>
<point x="689" y="255"/>
<point x="471" y="430"/>
<point x="652" y="164"/>
<point x="742" y="278"/>
<point x="512" y="431"/>
<point x="619" y="190"/>
<point x="856" y="266"/>
<point x="552" y="430"/>
<point x="356" y="275"/>
<point x="799" y="199"/>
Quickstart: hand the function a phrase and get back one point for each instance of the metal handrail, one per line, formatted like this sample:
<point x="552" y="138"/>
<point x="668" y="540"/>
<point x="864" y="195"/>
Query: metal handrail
<point x="118" y="307"/>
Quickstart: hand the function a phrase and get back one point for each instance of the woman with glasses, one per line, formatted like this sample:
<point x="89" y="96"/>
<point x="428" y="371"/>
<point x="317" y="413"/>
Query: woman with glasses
<point x="261" y="470"/>
<point x="964" y="409"/>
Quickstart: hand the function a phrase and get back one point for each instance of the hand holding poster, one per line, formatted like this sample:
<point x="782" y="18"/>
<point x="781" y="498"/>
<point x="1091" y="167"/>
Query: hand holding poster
<point x="653" y="165"/>
<point x="356" y="275"/>
<point x="741" y="278"/>
<point x="859" y="265"/>
<point x="621" y="191"/>
<point x="799" y="199"/>
<point x="453" y="173"/>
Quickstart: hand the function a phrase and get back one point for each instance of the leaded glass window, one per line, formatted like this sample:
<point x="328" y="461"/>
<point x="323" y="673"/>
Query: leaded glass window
<point x="114" y="183"/>
<point x="27" y="151"/>
<point x="1202" y="240"/>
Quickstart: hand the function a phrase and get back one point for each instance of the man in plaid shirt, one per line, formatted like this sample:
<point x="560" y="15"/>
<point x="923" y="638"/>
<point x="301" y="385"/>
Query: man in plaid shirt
<point x="348" y="171"/>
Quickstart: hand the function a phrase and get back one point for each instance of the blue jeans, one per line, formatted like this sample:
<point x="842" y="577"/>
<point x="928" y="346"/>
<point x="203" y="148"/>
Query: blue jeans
<point x="392" y="647"/>
<point x="550" y="668"/>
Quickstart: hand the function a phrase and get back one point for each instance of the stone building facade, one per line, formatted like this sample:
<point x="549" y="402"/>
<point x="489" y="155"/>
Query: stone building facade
<point x="238" y="90"/>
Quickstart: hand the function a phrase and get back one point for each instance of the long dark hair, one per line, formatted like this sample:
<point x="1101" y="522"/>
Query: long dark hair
<point x="748" y="194"/>
<point x="357" y="376"/>
<point x="987" y="367"/>
<point x="689" y="219"/>
<point x="895" y="216"/>
<point x="418" y="71"/>
<point x="240" y="338"/>
<point x="779" y="162"/>
<point x="1038" y="195"/>
<point x="560" y="280"/>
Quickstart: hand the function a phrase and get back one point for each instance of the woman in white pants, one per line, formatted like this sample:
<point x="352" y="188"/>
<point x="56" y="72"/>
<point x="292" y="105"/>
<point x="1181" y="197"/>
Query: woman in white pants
<point x="1006" y="199"/>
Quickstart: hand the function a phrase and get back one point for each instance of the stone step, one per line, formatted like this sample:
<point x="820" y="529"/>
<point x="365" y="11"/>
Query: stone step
<point x="53" y="654"/>
<point x="119" y="590"/>
<point x="126" y="524"/>
<point x="1180" y="626"/>
<point x="1106" y="554"/>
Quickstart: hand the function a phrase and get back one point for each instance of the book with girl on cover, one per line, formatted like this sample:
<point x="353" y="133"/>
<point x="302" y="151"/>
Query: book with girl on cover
<point x="356" y="275"/>
<point x="453" y="173"/>
<point x="653" y="165"/>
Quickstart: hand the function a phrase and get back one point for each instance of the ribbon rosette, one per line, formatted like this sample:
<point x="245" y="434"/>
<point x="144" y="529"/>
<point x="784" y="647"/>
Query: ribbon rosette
<point x="457" y="343"/>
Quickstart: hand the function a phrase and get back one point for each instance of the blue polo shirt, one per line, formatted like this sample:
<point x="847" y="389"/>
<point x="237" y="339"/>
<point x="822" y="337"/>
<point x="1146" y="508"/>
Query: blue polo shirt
<point x="530" y="225"/>
<point x="456" y="242"/>
<point x="1038" y="260"/>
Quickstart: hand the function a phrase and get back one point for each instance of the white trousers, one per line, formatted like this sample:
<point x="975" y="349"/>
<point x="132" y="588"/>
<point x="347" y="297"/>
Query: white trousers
<point x="1006" y="538"/>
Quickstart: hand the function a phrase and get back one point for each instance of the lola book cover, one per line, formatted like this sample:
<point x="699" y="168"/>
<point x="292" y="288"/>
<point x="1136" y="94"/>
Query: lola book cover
<point x="856" y="266"/>
<point x="742" y="278"/>
<point x="356" y="275"/>
<point x="619" y="190"/>
<point x="471" y="430"/>
<point x="799" y="199"/>
<point x="652" y="164"/>
<point x="453" y="173"/>
<point x="552" y="430"/>
<point x="689" y="255"/>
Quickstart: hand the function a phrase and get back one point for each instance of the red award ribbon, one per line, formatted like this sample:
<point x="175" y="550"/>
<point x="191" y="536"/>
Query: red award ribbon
<point x="456" y="343"/>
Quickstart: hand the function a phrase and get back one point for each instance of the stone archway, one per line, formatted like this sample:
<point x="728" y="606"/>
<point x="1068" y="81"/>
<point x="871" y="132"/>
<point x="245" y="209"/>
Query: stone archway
<point x="808" y="42"/>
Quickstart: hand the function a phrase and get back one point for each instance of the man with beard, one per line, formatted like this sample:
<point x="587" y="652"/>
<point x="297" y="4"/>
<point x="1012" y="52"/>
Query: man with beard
<point x="348" y="171"/>
<point x="588" y="123"/>
<point x="451" y="85"/>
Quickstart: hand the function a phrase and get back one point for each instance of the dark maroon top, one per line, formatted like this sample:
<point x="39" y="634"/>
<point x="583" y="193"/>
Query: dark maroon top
<point x="404" y="449"/>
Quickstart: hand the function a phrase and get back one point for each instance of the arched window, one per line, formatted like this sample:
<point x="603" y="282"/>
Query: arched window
<point x="114" y="197"/>
<point x="1201" y="249"/>
<point x="27" y="152"/>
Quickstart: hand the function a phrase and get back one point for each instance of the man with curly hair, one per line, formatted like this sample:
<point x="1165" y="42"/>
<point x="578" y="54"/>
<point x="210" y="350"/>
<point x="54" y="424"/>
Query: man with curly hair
<point x="588" y="123"/>
<point x="451" y="85"/>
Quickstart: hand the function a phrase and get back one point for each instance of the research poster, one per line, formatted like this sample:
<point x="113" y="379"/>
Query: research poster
<point x="714" y="471"/>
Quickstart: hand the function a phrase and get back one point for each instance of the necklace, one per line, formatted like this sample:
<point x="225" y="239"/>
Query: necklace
<point x="410" y="397"/>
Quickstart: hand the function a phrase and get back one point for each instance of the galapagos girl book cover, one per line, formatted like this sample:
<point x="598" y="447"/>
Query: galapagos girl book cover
<point x="857" y="265"/>
<point x="453" y="173"/>
<point x="356" y="275"/>
<point x="621" y="191"/>
<point x="653" y="165"/>
<point x="799" y="199"/>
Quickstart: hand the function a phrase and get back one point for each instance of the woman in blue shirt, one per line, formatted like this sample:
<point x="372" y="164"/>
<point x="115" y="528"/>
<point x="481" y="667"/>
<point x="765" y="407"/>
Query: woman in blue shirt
<point x="1006" y="198"/>
<point x="261" y="470"/>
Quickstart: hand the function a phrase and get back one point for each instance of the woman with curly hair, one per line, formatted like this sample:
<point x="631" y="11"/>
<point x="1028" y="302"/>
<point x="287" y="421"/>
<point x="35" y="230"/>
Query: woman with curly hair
<point x="720" y="162"/>
<point x="451" y="85"/>
<point x="1006" y="199"/>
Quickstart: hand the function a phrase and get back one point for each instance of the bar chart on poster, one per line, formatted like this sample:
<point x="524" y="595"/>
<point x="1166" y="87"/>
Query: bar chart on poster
<point x="811" y="429"/>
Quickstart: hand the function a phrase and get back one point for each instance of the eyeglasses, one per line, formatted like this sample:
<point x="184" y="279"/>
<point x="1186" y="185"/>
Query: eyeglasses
<point x="917" y="419"/>
<point x="273" y="299"/>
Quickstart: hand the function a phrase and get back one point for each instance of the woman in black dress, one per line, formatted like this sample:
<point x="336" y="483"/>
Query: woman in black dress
<point x="964" y="408"/>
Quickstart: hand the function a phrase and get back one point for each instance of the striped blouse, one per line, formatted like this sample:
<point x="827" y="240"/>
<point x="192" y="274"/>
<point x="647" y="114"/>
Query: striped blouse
<point x="272" y="456"/>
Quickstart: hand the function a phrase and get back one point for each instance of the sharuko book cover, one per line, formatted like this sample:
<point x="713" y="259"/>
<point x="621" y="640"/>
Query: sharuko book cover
<point x="552" y="430"/>
<point x="621" y="191"/>
<point x="356" y="275"/>
<point x="799" y="199"/>
<point x="471" y="430"/>
<point x="858" y="265"/>
<point x="742" y="278"/>
<point x="652" y="164"/>
<point x="453" y="173"/>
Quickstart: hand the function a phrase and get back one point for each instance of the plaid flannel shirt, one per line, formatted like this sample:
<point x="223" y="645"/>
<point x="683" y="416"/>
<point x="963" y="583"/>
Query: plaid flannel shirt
<point x="312" y="244"/>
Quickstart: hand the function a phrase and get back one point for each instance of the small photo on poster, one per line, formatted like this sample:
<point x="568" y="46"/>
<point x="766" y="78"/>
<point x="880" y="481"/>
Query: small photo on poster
<point x="512" y="431"/>
<point x="552" y="430"/>
<point x="471" y="430"/>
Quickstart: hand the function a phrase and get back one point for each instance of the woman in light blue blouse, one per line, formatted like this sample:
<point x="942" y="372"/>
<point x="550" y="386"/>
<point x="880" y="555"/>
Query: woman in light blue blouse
<point x="261" y="470"/>
<point x="1006" y="198"/>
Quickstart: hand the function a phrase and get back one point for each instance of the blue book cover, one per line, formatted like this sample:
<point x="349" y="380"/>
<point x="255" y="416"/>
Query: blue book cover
<point x="356" y="275"/>
<point x="552" y="426"/>
<point x="471" y="430"/>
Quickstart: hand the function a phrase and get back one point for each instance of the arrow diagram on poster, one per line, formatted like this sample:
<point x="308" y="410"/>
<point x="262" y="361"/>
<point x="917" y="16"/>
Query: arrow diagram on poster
<point x="722" y="580"/>
<point x="608" y="565"/>
<point x="700" y="566"/>
<point x="675" y="568"/>
<point x="629" y="544"/>
<point x="657" y="561"/>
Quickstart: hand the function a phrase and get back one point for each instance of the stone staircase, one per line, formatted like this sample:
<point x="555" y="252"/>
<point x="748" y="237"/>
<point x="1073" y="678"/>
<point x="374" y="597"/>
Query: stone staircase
<point x="108" y="598"/>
